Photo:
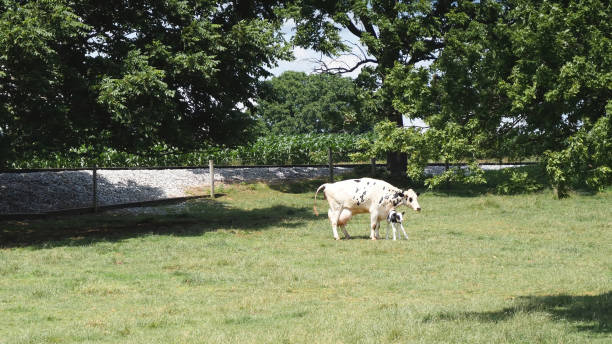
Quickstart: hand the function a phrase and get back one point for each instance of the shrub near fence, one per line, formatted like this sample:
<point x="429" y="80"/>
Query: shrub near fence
<point x="267" y="150"/>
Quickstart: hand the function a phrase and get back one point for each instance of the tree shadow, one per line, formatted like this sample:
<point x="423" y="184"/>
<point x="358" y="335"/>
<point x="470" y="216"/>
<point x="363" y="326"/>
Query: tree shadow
<point x="311" y="185"/>
<point x="298" y="187"/>
<point x="592" y="313"/>
<point x="199" y="216"/>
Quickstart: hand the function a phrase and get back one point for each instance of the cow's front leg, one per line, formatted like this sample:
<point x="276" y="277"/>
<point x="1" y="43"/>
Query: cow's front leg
<point x="346" y="235"/>
<point x="377" y="231"/>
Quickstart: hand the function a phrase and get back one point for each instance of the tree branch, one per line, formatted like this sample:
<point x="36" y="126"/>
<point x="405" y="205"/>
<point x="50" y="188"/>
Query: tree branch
<point x="324" y="68"/>
<point x="353" y="29"/>
<point x="367" y="25"/>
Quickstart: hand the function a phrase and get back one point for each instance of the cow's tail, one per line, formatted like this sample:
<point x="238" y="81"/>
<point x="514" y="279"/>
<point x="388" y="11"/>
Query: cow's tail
<point x="322" y="187"/>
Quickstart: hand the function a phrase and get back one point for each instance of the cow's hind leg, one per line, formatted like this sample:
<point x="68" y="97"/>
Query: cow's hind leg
<point x="345" y="216"/>
<point x="374" y="225"/>
<point x="333" y="218"/>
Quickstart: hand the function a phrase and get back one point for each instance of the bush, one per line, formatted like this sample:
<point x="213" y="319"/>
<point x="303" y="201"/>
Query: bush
<point x="516" y="181"/>
<point x="586" y="161"/>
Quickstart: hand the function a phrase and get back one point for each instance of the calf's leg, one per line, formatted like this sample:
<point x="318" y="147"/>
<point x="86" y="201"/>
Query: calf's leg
<point x="405" y="235"/>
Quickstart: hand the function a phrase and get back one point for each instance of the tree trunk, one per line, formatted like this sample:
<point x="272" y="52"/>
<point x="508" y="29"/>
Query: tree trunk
<point x="396" y="163"/>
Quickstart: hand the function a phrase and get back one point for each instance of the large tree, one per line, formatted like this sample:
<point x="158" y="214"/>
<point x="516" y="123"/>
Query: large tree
<point x="129" y="74"/>
<point x="519" y="77"/>
<point x="296" y="103"/>
<point x="529" y="72"/>
<point x="393" y="32"/>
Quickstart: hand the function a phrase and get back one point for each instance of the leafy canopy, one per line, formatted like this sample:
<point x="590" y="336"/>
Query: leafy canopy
<point x="297" y="103"/>
<point x="132" y="74"/>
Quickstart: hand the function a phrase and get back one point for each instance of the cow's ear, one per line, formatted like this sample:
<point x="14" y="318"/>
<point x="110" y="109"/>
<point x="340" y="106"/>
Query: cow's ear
<point x="418" y="194"/>
<point x="403" y="212"/>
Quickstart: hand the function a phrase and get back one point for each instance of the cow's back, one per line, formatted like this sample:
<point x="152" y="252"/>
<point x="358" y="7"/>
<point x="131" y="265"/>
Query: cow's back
<point x="359" y="195"/>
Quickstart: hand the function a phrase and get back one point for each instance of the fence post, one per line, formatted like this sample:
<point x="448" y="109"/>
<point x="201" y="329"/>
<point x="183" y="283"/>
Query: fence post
<point x="373" y="167"/>
<point x="211" y="171"/>
<point x="95" y="188"/>
<point x="331" y="165"/>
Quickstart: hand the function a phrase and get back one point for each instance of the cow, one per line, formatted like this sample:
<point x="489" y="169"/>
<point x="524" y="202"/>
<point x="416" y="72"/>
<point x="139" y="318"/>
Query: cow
<point x="394" y="219"/>
<point x="366" y="195"/>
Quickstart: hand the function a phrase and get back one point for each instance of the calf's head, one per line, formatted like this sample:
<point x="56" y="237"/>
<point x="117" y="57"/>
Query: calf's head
<point x="410" y="198"/>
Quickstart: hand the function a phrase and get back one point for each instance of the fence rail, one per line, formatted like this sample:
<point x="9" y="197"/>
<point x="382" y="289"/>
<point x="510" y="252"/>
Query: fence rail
<point x="350" y="165"/>
<point x="96" y="206"/>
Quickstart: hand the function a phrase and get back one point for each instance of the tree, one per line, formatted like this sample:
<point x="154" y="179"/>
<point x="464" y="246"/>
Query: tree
<point x="525" y="78"/>
<point x="529" y="71"/>
<point x="297" y="103"/>
<point x="130" y="74"/>
<point x="393" y="32"/>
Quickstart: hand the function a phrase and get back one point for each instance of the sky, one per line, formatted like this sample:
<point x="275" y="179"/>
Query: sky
<point x="304" y="58"/>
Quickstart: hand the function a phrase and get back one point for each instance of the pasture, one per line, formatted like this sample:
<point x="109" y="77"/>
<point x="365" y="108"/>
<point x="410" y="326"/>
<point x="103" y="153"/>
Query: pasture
<point x="256" y="266"/>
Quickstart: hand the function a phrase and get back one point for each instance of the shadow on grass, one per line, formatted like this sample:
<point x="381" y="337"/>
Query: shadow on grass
<point x="311" y="185"/>
<point x="591" y="313"/>
<point x="299" y="187"/>
<point x="201" y="217"/>
<point x="498" y="182"/>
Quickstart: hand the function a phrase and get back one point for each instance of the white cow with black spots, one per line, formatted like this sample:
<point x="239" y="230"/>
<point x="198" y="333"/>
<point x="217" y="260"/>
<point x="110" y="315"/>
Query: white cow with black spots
<point x="365" y="195"/>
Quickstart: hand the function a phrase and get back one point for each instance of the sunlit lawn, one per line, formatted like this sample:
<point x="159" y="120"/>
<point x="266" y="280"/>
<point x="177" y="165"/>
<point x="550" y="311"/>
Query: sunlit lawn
<point x="256" y="266"/>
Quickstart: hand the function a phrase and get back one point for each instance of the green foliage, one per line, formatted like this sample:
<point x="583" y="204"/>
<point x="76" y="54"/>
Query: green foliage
<point x="517" y="181"/>
<point x="139" y="99"/>
<point x="453" y="144"/>
<point x="132" y="75"/>
<point x="267" y="150"/>
<point x="391" y="32"/>
<point x="469" y="176"/>
<point x="587" y="160"/>
<point x="297" y="103"/>
<point x="514" y="79"/>
<point x="35" y="37"/>
<point x="561" y="73"/>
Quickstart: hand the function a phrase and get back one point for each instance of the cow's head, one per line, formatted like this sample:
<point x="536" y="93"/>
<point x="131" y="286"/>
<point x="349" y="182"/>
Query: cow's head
<point x="411" y="199"/>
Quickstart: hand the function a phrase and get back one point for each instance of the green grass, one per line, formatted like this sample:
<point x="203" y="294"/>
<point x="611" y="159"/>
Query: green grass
<point x="256" y="266"/>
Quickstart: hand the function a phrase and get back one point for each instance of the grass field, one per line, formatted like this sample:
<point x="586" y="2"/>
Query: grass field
<point x="256" y="266"/>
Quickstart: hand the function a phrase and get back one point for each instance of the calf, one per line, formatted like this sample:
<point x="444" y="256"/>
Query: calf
<point x="365" y="195"/>
<point x="394" y="218"/>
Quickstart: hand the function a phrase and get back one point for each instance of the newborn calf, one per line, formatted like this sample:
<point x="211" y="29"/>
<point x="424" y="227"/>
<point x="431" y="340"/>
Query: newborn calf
<point x="394" y="218"/>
